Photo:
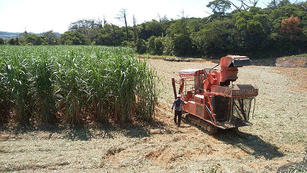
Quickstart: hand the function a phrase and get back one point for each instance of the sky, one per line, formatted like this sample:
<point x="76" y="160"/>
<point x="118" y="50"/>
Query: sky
<point x="44" y="15"/>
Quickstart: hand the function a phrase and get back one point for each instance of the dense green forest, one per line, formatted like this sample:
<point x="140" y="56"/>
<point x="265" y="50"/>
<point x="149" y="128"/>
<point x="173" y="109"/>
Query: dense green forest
<point x="279" y="29"/>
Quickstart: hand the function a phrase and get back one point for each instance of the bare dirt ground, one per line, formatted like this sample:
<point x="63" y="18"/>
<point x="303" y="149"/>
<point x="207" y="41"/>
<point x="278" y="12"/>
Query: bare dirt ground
<point x="278" y="136"/>
<point x="291" y="62"/>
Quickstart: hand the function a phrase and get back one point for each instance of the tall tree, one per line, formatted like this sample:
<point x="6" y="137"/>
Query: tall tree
<point x="278" y="3"/>
<point x="123" y="17"/>
<point x="181" y="38"/>
<point x="134" y="30"/>
<point x="74" y="38"/>
<point x="290" y="26"/>
<point x="219" y="7"/>
<point x="50" y="38"/>
<point x="14" y="41"/>
<point x="89" y="28"/>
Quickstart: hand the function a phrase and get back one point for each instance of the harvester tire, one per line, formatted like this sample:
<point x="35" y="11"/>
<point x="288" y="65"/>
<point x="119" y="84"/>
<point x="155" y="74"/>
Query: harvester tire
<point x="210" y="129"/>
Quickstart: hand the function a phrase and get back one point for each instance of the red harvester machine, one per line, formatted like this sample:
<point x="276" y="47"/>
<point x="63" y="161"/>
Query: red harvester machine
<point x="213" y="101"/>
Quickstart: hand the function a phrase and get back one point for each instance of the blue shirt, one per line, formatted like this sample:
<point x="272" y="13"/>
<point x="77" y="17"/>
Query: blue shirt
<point x="178" y="104"/>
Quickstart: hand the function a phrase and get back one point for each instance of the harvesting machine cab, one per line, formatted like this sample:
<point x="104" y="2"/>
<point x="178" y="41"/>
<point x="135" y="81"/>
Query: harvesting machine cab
<point x="213" y="101"/>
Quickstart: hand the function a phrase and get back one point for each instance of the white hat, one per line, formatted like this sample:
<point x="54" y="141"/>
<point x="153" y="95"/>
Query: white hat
<point x="178" y="96"/>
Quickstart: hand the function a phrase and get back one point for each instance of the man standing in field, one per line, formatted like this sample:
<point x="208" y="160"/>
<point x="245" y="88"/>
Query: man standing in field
<point x="178" y="109"/>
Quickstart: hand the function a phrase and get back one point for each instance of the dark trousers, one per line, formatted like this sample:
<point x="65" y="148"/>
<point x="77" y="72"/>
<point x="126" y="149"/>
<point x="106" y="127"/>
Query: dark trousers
<point x="178" y="113"/>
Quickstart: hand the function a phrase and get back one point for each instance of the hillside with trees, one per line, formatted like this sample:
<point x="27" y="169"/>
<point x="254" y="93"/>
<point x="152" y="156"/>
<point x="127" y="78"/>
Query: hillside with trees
<point x="279" y="29"/>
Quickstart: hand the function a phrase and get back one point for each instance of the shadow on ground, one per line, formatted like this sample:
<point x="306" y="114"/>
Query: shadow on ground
<point x="49" y="131"/>
<point x="79" y="133"/>
<point x="249" y="143"/>
<point x="83" y="132"/>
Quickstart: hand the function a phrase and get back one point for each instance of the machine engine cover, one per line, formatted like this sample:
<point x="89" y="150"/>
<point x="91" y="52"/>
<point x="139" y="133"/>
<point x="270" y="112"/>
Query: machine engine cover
<point x="240" y="61"/>
<point x="239" y="90"/>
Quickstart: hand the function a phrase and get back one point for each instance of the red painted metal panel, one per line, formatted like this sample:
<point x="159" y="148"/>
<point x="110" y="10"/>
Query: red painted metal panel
<point x="213" y="86"/>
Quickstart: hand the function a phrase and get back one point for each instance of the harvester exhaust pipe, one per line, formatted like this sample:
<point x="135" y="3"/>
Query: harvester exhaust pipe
<point x="174" y="87"/>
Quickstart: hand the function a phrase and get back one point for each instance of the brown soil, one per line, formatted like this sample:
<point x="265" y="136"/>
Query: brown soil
<point x="278" y="136"/>
<point x="291" y="62"/>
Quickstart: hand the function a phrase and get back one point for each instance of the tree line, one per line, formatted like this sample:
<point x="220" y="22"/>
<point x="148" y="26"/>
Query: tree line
<point x="279" y="29"/>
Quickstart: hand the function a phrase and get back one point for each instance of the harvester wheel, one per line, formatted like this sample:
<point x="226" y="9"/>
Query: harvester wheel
<point x="210" y="129"/>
